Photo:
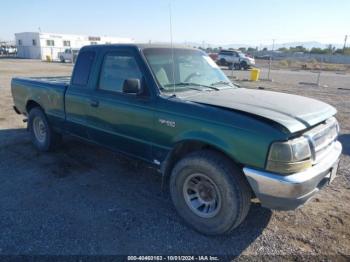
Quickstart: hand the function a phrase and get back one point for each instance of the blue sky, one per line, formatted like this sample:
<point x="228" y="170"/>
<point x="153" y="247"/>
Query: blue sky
<point x="217" y="22"/>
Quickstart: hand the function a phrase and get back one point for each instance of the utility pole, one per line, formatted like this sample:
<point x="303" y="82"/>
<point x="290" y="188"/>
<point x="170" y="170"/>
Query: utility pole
<point x="270" y="58"/>
<point x="345" y="39"/>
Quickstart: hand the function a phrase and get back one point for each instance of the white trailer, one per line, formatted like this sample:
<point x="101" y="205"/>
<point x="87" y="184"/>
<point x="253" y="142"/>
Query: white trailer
<point x="47" y="46"/>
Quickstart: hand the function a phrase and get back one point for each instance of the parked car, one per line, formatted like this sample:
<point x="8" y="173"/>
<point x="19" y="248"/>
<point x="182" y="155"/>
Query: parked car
<point x="174" y="108"/>
<point x="11" y="50"/>
<point x="235" y="59"/>
<point x="213" y="56"/>
<point x="8" y="50"/>
<point x="70" y="54"/>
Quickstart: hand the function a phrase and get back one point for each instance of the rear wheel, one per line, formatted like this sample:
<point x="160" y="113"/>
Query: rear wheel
<point x="62" y="59"/>
<point x="210" y="192"/>
<point x="244" y="65"/>
<point x="42" y="135"/>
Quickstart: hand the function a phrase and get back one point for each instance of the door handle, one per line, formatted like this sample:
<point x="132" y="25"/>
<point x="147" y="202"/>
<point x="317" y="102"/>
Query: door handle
<point x="94" y="103"/>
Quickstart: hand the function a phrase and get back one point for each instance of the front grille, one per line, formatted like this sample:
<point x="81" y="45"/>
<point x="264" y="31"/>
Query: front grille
<point x="322" y="138"/>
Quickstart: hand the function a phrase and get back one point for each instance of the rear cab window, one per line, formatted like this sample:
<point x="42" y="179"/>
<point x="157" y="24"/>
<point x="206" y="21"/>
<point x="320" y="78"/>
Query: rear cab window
<point x="82" y="68"/>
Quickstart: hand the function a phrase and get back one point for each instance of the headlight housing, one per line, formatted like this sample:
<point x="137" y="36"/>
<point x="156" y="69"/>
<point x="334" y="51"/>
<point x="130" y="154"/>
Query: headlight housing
<point x="290" y="156"/>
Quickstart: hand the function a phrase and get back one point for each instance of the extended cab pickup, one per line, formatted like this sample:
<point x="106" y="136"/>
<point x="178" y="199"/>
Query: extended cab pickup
<point x="219" y="144"/>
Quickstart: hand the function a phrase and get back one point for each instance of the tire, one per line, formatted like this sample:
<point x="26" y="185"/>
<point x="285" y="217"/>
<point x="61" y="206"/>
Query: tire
<point x="42" y="135"/>
<point x="62" y="59"/>
<point x="220" y="179"/>
<point x="237" y="66"/>
<point x="223" y="62"/>
<point x="244" y="65"/>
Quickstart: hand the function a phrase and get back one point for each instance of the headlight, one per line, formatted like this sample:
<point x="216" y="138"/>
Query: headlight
<point x="289" y="157"/>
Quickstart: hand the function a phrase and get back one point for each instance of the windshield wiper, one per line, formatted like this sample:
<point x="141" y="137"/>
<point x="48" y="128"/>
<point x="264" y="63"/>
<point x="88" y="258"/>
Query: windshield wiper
<point x="192" y="84"/>
<point x="221" y="83"/>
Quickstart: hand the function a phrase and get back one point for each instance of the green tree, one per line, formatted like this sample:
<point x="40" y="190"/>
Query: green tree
<point x="298" y="48"/>
<point x="341" y="51"/>
<point x="317" y="50"/>
<point x="251" y="49"/>
<point x="330" y="49"/>
<point x="338" y="51"/>
<point x="283" y="49"/>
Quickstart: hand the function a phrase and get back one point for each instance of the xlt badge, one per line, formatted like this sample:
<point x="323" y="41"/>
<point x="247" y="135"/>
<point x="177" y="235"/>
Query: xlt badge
<point x="168" y="123"/>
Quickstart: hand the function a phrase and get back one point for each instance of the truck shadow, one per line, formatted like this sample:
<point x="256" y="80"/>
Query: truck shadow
<point x="345" y="140"/>
<point x="82" y="199"/>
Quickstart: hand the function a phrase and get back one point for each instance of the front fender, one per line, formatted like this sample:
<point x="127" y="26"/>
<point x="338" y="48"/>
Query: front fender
<point x="206" y="138"/>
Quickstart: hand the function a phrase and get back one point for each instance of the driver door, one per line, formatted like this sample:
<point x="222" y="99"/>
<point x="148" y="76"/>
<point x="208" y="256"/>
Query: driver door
<point x="123" y="122"/>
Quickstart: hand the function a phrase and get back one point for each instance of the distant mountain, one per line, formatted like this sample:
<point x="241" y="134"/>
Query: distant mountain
<point x="308" y="45"/>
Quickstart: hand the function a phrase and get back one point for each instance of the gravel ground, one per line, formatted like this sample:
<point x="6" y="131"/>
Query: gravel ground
<point x="85" y="200"/>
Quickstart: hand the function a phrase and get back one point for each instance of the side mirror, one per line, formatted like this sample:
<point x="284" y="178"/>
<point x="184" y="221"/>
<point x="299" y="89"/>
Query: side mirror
<point x="132" y="86"/>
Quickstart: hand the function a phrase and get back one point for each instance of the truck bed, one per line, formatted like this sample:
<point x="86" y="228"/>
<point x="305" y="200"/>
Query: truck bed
<point x="48" y="92"/>
<point x="55" y="80"/>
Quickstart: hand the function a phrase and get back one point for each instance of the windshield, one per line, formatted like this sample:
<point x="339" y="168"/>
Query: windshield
<point x="192" y="70"/>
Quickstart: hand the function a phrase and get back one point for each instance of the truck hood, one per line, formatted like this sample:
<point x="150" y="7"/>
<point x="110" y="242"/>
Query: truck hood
<point x="294" y="112"/>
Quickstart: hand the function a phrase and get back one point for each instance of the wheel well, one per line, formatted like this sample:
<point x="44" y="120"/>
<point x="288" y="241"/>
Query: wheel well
<point x="185" y="148"/>
<point x="30" y="105"/>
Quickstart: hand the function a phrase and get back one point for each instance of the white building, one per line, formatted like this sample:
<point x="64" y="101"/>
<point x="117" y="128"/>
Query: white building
<point x="36" y="45"/>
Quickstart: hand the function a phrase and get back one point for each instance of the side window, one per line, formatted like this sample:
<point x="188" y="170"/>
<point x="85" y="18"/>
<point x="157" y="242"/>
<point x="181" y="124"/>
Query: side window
<point x="115" y="70"/>
<point x="83" y="68"/>
<point x="50" y="42"/>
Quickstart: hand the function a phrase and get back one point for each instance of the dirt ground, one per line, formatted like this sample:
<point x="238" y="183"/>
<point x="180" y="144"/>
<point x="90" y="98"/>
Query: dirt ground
<point x="82" y="199"/>
<point x="310" y="65"/>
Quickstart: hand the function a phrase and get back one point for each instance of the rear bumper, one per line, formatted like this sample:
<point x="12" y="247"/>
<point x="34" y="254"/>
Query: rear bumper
<point x="289" y="192"/>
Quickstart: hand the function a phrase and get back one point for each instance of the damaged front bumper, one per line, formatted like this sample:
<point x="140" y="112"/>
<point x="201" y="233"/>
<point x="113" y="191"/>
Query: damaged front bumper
<point x="277" y="191"/>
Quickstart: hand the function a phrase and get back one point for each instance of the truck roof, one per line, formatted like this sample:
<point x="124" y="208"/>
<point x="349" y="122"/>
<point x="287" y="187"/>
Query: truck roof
<point x="137" y="45"/>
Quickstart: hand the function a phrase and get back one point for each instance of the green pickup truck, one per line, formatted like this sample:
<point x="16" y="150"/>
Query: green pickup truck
<point x="219" y="145"/>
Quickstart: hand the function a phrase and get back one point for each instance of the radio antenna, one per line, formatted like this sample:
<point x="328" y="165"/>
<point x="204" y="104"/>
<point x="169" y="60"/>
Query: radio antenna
<point x="172" y="46"/>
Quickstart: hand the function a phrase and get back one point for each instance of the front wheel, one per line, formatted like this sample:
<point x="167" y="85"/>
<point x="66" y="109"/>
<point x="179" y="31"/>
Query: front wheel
<point x="237" y="66"/>
<point x="42" y="135"/>
<point x="210" y="192"/>
<point x="223" y="62"/>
